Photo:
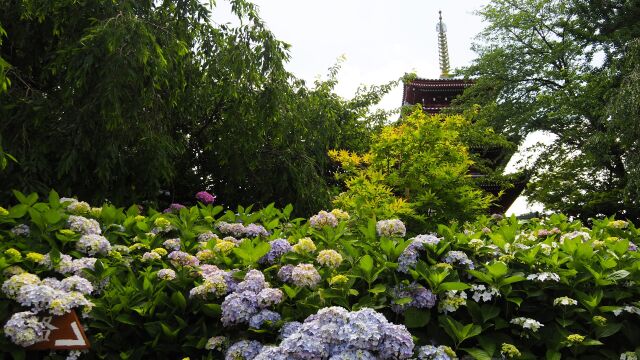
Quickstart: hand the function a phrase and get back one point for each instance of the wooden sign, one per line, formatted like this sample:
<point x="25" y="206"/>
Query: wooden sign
<point x="63" y="333"/>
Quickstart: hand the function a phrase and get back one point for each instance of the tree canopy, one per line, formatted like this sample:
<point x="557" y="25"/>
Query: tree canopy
<point x="153" y="101"/>
<point x="565" y="68"/>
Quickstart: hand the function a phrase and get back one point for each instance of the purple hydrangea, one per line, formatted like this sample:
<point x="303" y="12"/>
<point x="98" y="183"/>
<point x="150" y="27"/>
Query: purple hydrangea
<point x="174" y="208"/>
<point x="254" y="230"/>
<point x="409" y="257"/>
<point x="279" y="247"/>
<point x="253" y="281"/>
<point x="284" y="274"/>
<point x="181" y="258"/>
<point x="172" y="244"/>
<point x="235" y="229"/>
<point x="205" y="198"/>
<point x="323" y="219"/>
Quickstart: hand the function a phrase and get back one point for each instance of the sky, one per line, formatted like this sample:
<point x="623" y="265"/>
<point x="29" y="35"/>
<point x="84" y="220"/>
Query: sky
<point x="381" y="40"/>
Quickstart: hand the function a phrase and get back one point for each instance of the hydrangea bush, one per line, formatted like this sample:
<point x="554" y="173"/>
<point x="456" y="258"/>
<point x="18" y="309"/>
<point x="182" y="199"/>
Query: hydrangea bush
<point x="202" y="282"/>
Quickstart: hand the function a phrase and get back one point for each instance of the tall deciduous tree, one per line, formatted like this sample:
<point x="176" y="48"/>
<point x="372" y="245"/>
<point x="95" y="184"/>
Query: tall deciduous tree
<point x="131" y="99"/>
<point x="556" y="66"/>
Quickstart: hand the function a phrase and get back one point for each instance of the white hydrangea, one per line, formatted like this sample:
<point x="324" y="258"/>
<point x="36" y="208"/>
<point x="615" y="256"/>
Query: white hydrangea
<point x="544" y="276"/>
<point x="527" y="323"/>
<point x="566" y="301"/>
<point x="481" y="292"/>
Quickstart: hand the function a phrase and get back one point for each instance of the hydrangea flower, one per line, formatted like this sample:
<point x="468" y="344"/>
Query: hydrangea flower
<point x="25" y="328"/>
<point x="544" y="276"/>
<point x="92" y="244"/>
<point x="224" y="246"/>
<point x="284" y="274"/>
<point x="21" y="230"/>
<point x="574" y="234"/>
<point x="389" y="228"/>
<point x="565" y="301"/>
<point x="79" y="207"/>
<point x="409" y="256"/>
<point x="527" y="323"/>
<point x="254" y="230"/>
<point x="323" y="219"/>
<point x="481" y="292"/>
<point x="279" y="247"/>
<point x="305" y="245"/>
<point x="77" y="283"/>
<point x="305" y="275"/>
<point x="289" y="328"/>
<point x="243" y="350"/>
<point x="82" y="225"/>
<point x="166" y="274"/>
<point x="269" y="297"/>
<point x="11" y="287"/>
<point x="239" y="307"/>
<point x="206" y="236"/>
<point x="452" y="300"/>
<point x="205" y="198"/>
<point x="181" y="258"/>
<point x="174" y="208"/>
<point x="253" y="281"/>
<point x="421" y="297"/>
<point x="430" y="352"/>
<point x="172" y="244"/>
<point x="335" y="333"/>
<point x="214" y="285"/>
<point x="458" y="257"/>
<point x="509" y="351"/>
<point x="235" y="229"/>
<point x="150" y="256"/>
<point x="329" y="258"/>
<point x="205" y="255"/>
<point x="263" y="316"/>
<point x="216" y="343"/>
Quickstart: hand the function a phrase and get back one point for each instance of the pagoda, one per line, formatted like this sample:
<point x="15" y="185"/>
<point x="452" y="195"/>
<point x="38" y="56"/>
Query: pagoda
<point x="437" y="94"/>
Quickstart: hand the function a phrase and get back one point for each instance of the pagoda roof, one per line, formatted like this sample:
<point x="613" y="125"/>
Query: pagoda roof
<point x="419" y="85"/>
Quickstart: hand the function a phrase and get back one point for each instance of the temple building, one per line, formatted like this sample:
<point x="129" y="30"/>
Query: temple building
<point x="437" y="94"/>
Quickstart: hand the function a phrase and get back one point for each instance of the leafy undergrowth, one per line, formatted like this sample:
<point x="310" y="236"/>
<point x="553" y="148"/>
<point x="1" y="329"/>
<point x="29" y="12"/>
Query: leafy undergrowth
<point x="202" y="282"/>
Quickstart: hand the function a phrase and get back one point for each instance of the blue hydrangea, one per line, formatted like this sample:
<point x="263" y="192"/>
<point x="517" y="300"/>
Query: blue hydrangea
<point x="253" y="281"/>
<point x="430" y="352"/>
<point x="254" y="230"/>
<point x="243" y="350"/>
<point x="279" y="247"/>
<point x="263" y="316"/>
<point x="239" y="307"/>
<point x="409" y="257"/>
<point x="458" y="257"/>
<point x="421" y="297"/>
<point x="289" y="328"/>
<point x="336" y="333"/>
<point x="284" y="274"/>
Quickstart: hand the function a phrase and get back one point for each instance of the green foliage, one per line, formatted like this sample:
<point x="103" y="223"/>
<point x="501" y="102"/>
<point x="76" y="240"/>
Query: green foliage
<point x="417" y="168"/>
<point x="559" y="67"/>
<point x="128" y="100"/>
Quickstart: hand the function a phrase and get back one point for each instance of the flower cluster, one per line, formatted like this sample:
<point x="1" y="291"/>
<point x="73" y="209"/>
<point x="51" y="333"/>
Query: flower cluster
<point x="411" y="295"/>
<point x="279" y="247"/>
<point x="575" y="234"/>
<point x="389" y="228"/>
<point x="564" y="301"/>
<point x="82" y="225"/>
<point x="205" y="198"/>
<point x="409" y="257"/>
<point x="249" y="301"/>
<point x="67" y="264"/>
<point x="430" y="352"/>
<point x="481" y="292"/>
<point x="452" y="300"/>
<point x="329" y="258"/>
<point x="335" y="333"/>
<point x="174" y="208"/>
<point x="458" y="257"/>
<point x="92" y="244"/>
<point x="239" y="230"/>
<point x="305" y="275"/>
<point x="323" y="219"/>
<point x="172" y="244"/>
<point x="527" y="323"/>
<point x="181" y="258"/>
<point x="25" y="328"/>
<point x="166" y="274"/>
<point x="243" y="350"/>
<point x="305" y="245"/>
<point x="544" y="276"/>
<point x="340" y="214"/>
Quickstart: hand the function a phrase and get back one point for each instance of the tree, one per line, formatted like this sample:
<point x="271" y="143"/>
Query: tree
<point x="542" y="66"/>
<point x="129" y="100"/>
<point x="417" y="169"/>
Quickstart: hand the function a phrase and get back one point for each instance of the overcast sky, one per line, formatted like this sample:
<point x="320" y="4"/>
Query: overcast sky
<point x="380" y="39"/>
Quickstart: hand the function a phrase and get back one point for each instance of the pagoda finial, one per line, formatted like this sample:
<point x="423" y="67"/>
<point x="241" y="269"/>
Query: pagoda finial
<point x="443" y="49"/>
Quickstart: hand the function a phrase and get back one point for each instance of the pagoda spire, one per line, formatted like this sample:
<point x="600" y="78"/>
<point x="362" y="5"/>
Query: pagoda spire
<point x="443" y="49"/>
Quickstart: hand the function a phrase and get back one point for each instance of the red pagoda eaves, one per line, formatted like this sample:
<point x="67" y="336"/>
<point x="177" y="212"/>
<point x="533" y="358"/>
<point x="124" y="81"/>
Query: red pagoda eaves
<point x="433" y="94"/>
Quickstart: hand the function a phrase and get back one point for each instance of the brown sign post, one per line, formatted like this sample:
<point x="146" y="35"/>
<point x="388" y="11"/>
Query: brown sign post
<point x="63" y="333"/>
